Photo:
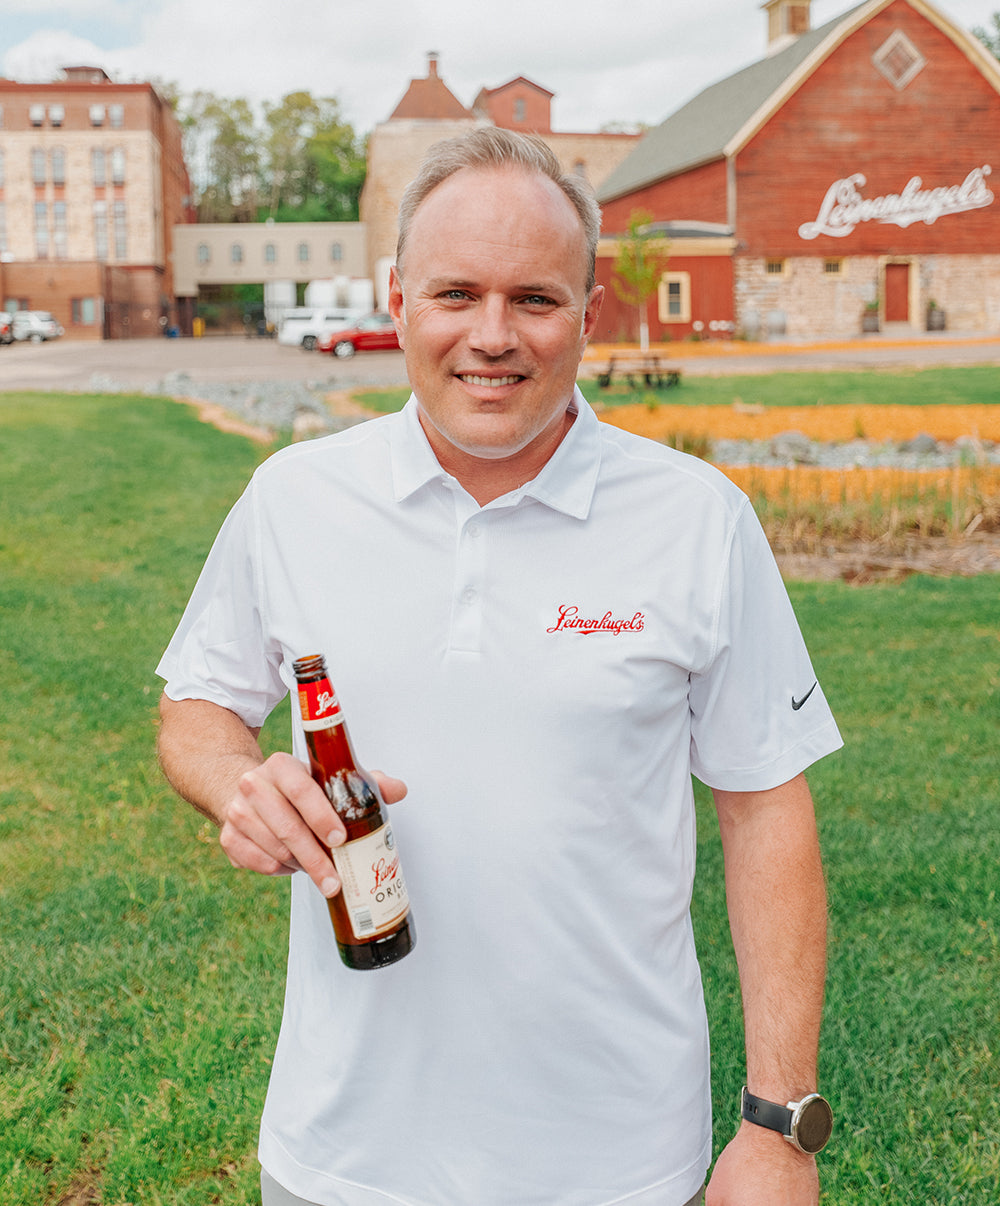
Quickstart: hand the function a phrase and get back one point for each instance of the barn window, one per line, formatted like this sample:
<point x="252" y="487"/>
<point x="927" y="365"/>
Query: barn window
<point x="774" y="267"/>
<point x="833" y="267"/>
<point x="674" y="297"/>
<point x="899" y="60"/>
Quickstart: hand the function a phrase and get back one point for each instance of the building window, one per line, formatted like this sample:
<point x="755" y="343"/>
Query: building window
<point x="59" y="229"/>
<point x="204" y="253"/>
<point x="82" y="311"/>
<point x="674" y="297"/>
<point x="302" y="253"/>
<point x="36" y="115"/>
<point x="270" y="253"/>
<point x="101" y="230"/>
<point x="97" y="115"/>
<point x="121" y="231"/>
<point x="118" y="165"/>
<point x="236" y="253"/>
<point x="57" y="160"/>
<point x="99" y="169"/>
<point x="336" y="253"/>
<point x="833" y="267"/>
<point x="520" y="109"/>
<point x="116" y="117"/>
<point x="41" y="230"/>
<point x="899" y="60"/>
<point x="37" y="165"/>
<point x="774" y="267"/>
<point x="57" y="114"/>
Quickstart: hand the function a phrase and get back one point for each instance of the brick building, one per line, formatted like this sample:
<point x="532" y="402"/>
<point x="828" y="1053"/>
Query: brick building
<point x="844" y="179"/>
<point x="429" y="112"/>
<point x="92" y="183"/>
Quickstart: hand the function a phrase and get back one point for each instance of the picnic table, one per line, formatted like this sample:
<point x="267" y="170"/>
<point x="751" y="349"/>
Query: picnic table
<point x="639" y="370"/>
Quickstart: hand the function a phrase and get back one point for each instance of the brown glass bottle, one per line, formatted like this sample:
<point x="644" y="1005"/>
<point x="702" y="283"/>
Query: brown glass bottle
<point x="371" y="915"/>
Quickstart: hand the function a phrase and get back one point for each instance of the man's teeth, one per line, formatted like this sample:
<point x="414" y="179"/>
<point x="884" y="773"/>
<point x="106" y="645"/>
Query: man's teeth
<point x="489" y="382"/>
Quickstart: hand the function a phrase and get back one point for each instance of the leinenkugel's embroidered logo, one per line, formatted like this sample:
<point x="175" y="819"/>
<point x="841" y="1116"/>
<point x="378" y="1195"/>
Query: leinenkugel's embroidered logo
<point x="570" y="620"/>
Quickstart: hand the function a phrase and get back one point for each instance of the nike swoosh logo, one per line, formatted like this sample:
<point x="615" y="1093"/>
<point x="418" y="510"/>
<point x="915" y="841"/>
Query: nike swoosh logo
<point x="797" y="703"/>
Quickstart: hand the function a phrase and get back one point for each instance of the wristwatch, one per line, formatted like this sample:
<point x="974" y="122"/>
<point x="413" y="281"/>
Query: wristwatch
<point x="806" y="1124"/>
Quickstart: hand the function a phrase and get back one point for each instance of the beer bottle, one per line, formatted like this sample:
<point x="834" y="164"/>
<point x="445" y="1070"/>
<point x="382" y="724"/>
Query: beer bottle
<point x="371" y="913"/>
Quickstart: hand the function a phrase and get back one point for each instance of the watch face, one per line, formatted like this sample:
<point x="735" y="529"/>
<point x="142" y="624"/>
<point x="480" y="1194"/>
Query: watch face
<point x="813" y="1124"/>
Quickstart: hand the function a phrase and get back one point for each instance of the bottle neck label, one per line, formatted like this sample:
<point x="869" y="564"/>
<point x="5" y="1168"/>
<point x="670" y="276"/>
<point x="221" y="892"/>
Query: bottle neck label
<point x="320" y="706"/>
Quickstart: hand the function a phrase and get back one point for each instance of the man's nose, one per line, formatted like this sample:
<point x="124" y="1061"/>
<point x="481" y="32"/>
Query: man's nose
<point x="493" y="331"/>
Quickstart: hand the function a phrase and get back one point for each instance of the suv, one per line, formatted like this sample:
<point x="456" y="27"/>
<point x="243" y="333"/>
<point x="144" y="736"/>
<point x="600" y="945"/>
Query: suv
<point x="303" y="328"/>
<point x="6" y="328"/>
<point x="35" y="325"/>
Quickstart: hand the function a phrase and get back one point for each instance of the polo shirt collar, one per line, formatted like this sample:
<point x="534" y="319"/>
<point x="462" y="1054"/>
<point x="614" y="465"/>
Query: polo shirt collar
<point x="566" y="482"/>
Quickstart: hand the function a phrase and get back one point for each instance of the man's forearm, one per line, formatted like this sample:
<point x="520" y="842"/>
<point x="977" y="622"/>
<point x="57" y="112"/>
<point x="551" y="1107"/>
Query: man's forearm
<point x="777" y="911"/>
<point x="204" y="750"/>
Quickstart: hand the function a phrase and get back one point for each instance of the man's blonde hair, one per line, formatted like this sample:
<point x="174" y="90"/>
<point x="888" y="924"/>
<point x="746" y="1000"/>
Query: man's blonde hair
<point x="489" y="147"/>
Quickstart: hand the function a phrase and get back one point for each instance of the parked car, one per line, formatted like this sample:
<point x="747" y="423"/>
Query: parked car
<point x="6" y="328"/>
<point x="35" y="325"/>
<point x="303" y="327"/>
<point x="372" y="334"/>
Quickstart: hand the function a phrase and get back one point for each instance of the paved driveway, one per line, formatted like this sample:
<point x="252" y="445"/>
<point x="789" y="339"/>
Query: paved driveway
<point x="73" y="365"/>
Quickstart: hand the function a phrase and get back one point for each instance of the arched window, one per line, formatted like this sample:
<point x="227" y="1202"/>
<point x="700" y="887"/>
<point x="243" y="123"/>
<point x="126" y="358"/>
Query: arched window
<point x="236" y="253"/>
<point x="270" y="253"/>
<point x="336" y="253"/>
<point x="303" y="253"/>
<point x="204" y="253"/>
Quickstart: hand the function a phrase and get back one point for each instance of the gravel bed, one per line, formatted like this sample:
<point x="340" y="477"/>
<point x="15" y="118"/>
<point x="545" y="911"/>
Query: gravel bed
<point x="276" y="405"/>
<point x="301" y="406"/>
<point x="793" y="448"/>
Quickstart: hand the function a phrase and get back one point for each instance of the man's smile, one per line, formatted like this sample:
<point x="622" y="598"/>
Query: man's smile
<point x="489" y="382"/>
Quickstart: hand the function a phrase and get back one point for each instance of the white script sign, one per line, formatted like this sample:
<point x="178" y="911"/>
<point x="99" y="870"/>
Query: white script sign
<point x="844" y="207"/>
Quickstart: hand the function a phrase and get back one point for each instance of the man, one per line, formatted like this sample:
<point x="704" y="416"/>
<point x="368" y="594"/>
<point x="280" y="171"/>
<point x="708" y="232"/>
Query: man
<point x="546" y="625"/>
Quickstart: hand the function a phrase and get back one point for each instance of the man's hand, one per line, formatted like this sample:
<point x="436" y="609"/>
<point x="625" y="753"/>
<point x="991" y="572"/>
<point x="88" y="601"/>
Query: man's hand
<point x="272" y="816"/>
<point x="280" y="821"/>
<point x="760" y="1168"/>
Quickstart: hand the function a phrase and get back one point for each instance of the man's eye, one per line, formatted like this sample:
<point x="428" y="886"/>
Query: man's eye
<point x="537" y="299"/>
<point x="454" y="295"/>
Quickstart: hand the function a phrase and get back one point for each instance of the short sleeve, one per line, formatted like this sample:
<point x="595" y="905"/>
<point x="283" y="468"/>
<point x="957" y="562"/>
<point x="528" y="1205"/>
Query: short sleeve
<point x="758" y="714"/>
<point x="220" y="652"/>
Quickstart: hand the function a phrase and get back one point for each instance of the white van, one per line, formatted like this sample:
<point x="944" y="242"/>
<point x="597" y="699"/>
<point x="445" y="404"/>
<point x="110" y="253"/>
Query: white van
<point x="303" y="326"/>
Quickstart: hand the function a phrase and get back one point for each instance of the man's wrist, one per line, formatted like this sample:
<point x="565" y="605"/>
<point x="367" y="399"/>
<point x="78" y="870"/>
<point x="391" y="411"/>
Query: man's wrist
<point x="804" y="1123"/>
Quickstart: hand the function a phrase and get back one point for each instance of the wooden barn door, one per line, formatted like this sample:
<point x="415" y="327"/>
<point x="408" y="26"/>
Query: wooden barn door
<point x="897" y="293"/>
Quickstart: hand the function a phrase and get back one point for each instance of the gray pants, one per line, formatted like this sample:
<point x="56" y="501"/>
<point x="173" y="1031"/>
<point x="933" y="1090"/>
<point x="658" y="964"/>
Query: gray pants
<point x="272" y="1194"/>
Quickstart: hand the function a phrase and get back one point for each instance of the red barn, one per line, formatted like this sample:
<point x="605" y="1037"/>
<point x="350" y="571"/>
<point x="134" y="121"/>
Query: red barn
<point x="843" y="180"/>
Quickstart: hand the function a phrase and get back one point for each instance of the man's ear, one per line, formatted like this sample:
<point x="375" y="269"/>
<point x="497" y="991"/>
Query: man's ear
<point x="396" y="302"/>
<point x="591" y="312"/>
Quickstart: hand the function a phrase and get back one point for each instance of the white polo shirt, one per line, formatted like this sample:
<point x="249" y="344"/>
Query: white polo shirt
<point x="546" y="673"/>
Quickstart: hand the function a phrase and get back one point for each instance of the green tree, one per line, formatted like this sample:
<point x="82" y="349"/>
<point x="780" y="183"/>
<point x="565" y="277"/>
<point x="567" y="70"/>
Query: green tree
<point x="990" y="38"/>
<point x="221" y="148"/>
<point x="640" y="262"/>
<point x="314" y="163"/>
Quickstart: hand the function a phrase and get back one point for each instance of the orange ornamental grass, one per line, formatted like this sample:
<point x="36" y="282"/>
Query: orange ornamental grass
<point x="863" y="502"/>
<point x="833" y="424"/>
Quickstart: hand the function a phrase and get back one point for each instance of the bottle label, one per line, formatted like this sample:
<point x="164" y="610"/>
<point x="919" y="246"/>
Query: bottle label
<point x="320" y="706"/>
<point x="372" y="882"/>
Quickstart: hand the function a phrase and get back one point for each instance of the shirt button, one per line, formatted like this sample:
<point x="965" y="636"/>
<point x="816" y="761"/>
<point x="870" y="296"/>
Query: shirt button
<point x="475" y="530"/>
<point x="469" y="595"/>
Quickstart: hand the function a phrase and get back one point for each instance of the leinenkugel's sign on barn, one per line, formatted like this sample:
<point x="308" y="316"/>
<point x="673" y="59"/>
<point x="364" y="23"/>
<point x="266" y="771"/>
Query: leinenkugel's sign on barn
<point x="844" y="207"/>
<point x="844" y="180"/>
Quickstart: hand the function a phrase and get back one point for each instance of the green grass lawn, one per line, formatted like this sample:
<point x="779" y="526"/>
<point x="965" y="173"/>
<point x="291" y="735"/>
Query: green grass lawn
<point x="142" y="977"/>
<point x="925" y="387"/>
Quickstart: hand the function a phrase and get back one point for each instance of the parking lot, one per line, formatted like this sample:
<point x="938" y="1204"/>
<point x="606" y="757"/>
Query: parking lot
<point x="75" y="365"/>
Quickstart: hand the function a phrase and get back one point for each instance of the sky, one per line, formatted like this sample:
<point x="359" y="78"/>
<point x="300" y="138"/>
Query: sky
<point x="605" y="65"/>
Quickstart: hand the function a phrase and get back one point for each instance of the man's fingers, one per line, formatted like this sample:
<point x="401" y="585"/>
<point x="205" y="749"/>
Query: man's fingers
<point x="280" y="821"/>
<point x="393" y="790"/>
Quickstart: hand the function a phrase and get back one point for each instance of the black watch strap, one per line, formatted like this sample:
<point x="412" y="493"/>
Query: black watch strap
<point x="766" y="1113"/>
